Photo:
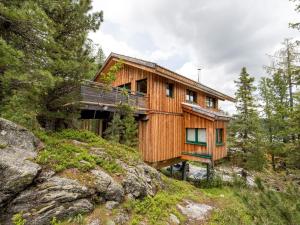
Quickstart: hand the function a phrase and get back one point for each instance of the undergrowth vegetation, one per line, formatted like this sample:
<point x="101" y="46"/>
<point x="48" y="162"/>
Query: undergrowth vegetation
<point x="61" y="152"/>
<point x="156" y="210"/>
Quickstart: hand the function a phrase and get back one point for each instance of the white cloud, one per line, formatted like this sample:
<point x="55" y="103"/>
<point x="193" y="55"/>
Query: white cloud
<point x="220" y="36"/>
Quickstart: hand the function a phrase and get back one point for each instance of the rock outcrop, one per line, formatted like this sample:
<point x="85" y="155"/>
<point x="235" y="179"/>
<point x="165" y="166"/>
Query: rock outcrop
<point x="42" y="195"/>
<point x="107" y="187"/>
<point x="17" y="149"/>
<point x="57" y="197"/>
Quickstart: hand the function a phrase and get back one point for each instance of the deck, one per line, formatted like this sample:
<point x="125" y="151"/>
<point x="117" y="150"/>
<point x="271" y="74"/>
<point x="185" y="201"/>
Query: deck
<point x="96" y="96"/>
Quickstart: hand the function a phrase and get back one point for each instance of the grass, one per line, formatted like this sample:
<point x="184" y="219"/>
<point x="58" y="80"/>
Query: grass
<point x="234" y="203"/>
<point x="61" y="153"/>
<point x="156" y="210"/>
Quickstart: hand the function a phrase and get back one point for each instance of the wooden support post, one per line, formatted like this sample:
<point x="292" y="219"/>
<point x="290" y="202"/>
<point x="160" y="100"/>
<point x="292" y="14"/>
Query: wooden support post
<point x="184" y="167"/>
<point x="207" y="171"/>
<point x="171" y="170"/>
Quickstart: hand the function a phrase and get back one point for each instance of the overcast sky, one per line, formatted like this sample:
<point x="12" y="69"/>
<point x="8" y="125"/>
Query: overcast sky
<point x="219" y="36"/>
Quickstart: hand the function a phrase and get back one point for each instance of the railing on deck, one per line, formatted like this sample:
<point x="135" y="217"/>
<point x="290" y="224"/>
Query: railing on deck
<point x="97" y="93"/>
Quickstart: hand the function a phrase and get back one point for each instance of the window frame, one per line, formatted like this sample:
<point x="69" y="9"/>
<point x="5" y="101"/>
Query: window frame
<point x="212" y="100"/>
<point x="137" y="84"/>
<point x="170" y="87"/>
<point x="221" y="130"/>
<point x="189" y="94"/>
<point x="196" y="142"/>
<point x="124" y="86"/>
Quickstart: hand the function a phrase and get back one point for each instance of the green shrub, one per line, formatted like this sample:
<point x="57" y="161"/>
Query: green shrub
<point x="18" y="219"/>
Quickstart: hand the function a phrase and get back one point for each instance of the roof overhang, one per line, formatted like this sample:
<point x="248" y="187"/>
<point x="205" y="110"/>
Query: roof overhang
<point x="163" y="72"/>
<point x="203" y="112"/>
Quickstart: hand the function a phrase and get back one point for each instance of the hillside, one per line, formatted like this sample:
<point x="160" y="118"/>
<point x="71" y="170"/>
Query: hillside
<point x="76" y="177"/>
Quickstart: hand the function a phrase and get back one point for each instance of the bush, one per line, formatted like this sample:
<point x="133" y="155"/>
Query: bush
<point x="18" y="219"/>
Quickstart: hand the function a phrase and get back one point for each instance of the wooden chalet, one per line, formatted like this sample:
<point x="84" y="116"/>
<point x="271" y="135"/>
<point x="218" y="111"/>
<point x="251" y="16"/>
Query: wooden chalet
<point x="178" y="118"/>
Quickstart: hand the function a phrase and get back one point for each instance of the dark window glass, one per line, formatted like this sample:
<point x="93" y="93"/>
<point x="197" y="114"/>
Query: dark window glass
<point x="126" y="86"/>
<point x="141" y="86"/>
<point x="219" y="135"/>
<point x="191" y="96"/>
<point x="169" y="90"/>
<point x="211" y="102"/>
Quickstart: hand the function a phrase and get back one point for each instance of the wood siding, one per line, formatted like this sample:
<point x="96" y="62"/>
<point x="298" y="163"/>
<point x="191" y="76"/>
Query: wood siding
<point x="162" y="136"/>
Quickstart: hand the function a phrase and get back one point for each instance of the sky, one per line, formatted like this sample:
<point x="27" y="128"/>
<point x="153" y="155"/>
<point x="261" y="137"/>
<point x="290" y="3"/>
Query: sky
<point x="220" y="37"/>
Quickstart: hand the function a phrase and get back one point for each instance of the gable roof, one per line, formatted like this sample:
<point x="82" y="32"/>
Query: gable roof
<point x="164" y="72"/>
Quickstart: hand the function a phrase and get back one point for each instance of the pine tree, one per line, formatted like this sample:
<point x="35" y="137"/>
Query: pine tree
<point x="245" y="130"/>
<point x="274" y="96"/>
<point x="114" y="130"/>
<point x="130" y="126"/>
<point x="51" y="38"/>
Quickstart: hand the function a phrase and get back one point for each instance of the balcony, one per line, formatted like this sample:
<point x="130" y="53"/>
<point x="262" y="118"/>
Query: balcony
<point x="96" y="96"/>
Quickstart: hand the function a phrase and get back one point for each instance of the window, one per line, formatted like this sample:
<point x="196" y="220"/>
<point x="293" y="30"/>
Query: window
<point x="219" y="136"/>
<point x="196" y="136"/>
<point x="211" y="102"/>
<point x="191" y="96"/>
<point x="169" y="89"/>
<point x="126" y="86"/>
<point x="141" y="86"/>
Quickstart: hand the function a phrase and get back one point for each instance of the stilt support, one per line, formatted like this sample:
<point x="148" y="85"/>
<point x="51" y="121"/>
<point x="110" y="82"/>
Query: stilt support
<point x="171" y="171"/>
<point x="184" y="170"/>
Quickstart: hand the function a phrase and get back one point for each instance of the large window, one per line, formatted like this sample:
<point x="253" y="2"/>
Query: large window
<point x="196" y="136"/>
<point x="126" y="86"/>
<point x="191" y="96"/>
<point x="141" y="86"/>
<point x="219" y="136"/>
<point x="211" y="102"/>
<point x="170" y="90"/>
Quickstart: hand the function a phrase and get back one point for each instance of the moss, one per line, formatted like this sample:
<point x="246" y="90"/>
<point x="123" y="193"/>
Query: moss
<point x="156" y="210"/>
<point x="60" y="153"/>
<point x="2" y="146"/>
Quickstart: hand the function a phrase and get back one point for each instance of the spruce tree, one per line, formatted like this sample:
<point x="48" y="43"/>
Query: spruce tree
<point x="49" y="39"/>
<point x="245" y="129"/>
<point x="130" y="126"/>
<point x="114" y="130"/>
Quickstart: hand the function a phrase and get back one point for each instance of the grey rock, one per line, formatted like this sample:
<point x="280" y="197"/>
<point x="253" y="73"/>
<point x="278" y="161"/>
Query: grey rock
<point x="173" y="219"/>
<point x="195" y="211"/>
<point x="141" y="181"/>
<point x="17" y="169"/>
<point x="111" y="205"/>
<point x="57" y="197"/>
<point x="12" y="134"/>
<point x="107" y="187"/>
<point x="121" y="218"/>
<point x="95" y="222"/>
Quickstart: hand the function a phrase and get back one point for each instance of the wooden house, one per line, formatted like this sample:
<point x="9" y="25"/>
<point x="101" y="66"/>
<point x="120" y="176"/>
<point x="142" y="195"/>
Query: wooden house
<point x="179" y="118"/>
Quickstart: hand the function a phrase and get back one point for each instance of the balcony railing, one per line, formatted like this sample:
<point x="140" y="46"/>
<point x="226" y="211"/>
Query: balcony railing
<point x="97" y="93"/>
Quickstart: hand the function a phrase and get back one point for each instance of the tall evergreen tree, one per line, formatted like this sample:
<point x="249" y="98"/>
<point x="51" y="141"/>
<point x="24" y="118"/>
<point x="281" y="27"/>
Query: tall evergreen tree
<point x="52" y="38"/>
<point x="275" y="102"/>
<point x="245" y="129"/>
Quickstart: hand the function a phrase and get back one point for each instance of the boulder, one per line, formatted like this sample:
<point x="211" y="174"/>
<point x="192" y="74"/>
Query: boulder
<point x="121" y="218"/>
<point x="111" y="205"/>
<point x="141" y="181"/>
<point x="18" y="149"/>
<point x="57" y="197"/>
<point x="12" y="134"/>
<point x="107" y="187"/>
<point x="173" y="219"/>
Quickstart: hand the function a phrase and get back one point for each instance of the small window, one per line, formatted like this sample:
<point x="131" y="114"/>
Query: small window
<point x="196" y="136"/>
<point x="126" y="86"/>
<point x="211" y="102"/>
<point x="219" y="136"/>
<point x="169" y="89"/>
<point x="141" y="86"/>
<point x="191" y="96"/>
